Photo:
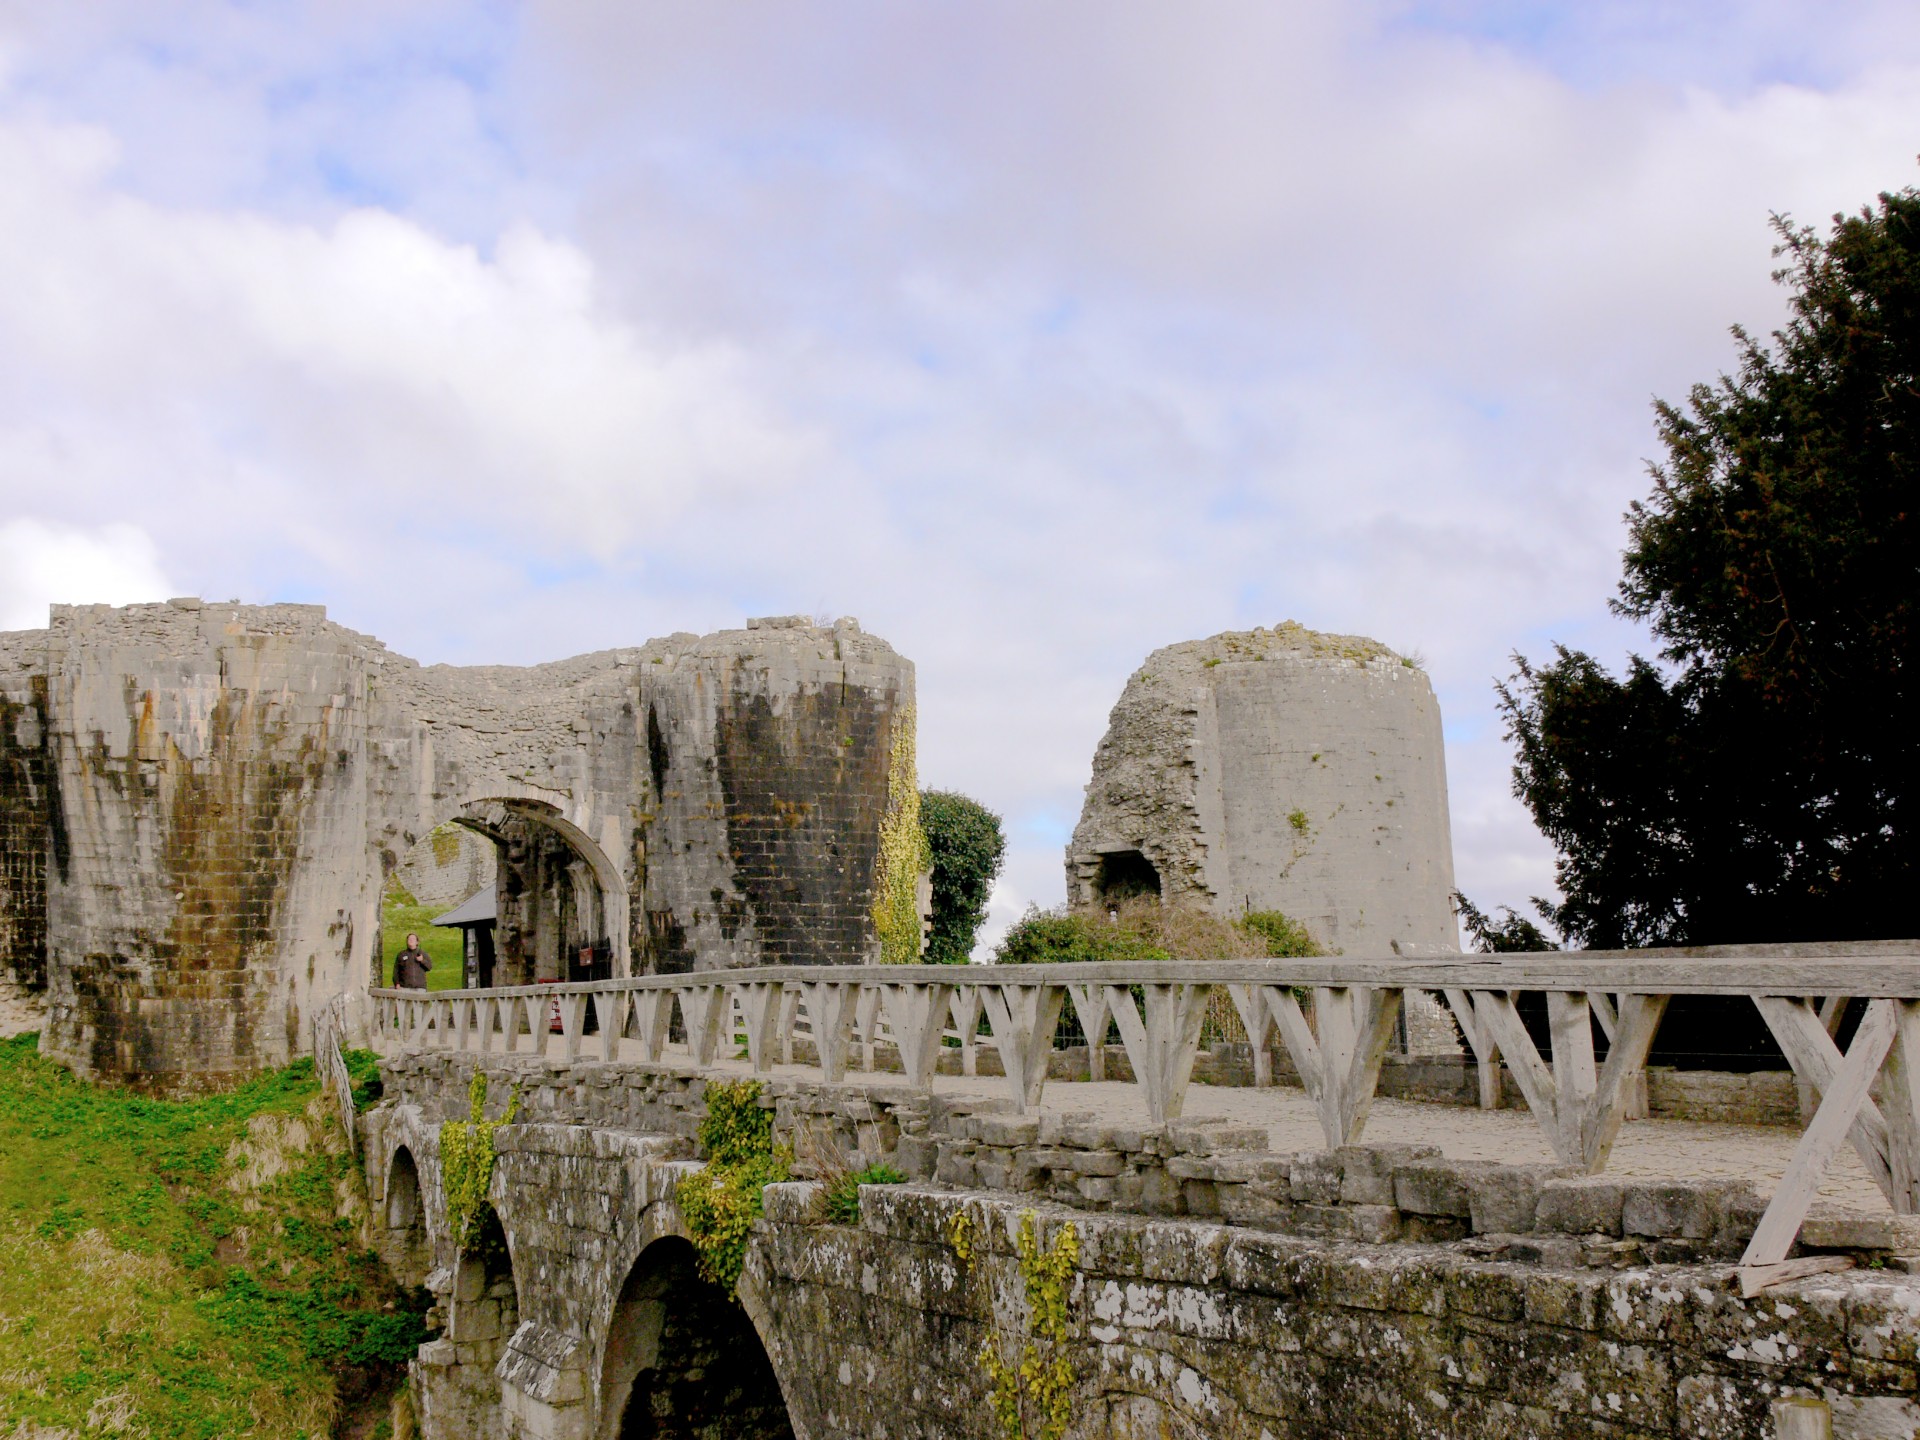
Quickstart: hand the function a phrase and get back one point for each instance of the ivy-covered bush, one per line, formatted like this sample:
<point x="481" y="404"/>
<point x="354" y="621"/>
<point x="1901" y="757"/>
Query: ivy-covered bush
<point x="721" y="1202"/>
<point x="967" y="845"/>
<point x="466" y="1165"/>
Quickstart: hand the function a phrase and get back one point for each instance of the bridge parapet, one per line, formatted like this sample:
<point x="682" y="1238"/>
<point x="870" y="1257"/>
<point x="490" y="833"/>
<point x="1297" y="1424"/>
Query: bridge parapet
<point x="1335" y="1018"/>
<point x="1179" y="1327"/>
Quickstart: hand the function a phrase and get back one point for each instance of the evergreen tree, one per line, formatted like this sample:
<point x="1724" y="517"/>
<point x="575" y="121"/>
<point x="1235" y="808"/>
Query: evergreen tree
<point x="967" y="847"/>
<point x="1753" y="783"/>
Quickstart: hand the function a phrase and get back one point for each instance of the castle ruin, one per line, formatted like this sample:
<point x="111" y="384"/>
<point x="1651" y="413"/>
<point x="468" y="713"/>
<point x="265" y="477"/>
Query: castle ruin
<point x="200" y="805"/>
<point x="1276" y="769"/>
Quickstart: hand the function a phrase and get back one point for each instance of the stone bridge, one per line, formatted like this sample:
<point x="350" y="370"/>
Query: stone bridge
<point x="1222" y="1288"/>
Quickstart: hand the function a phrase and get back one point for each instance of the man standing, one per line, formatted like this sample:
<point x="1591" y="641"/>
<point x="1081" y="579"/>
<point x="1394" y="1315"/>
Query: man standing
<point x="411" y="965"/>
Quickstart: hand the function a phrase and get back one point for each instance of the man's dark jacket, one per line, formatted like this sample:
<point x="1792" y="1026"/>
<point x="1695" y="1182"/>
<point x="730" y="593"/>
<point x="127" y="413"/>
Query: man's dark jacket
<point x="410" y="969"/>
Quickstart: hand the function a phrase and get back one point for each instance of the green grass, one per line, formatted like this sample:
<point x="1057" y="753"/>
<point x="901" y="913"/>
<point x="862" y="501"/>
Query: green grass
<point x="184" y="1269"/>
<point x="443" y="946"/>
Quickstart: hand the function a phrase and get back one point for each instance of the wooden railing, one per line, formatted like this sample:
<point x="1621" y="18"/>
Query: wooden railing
<point x="329" y="1027"/>
<point x="1336" y="1018"/>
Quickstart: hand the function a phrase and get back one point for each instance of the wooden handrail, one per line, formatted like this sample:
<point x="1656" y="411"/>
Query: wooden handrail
<point x="1337" y="1042"/>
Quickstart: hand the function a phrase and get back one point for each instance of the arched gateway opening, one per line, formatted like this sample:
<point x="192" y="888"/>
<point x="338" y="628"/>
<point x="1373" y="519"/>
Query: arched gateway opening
<point x="683" y="1361"/>
<point x="506" y="891"/>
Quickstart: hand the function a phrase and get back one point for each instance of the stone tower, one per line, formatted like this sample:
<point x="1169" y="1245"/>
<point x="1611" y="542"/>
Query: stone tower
<point x="1276" y="769"/>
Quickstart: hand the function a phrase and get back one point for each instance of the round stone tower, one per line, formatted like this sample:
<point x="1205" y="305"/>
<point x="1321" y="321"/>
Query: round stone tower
<point x="1276" y="769"/>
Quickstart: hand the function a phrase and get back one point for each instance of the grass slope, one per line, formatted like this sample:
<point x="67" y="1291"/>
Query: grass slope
<point x="184" y="1268"/>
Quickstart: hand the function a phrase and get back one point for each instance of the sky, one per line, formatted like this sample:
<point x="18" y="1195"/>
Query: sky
<point x="1036" y="334"/>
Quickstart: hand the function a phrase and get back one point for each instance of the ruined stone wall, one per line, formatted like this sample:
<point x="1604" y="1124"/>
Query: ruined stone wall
<point x="1181" y="1330"/>
<point x="769" y="750"/>
<point x="210" y="765"/>
<point x="446" y="868"/>
<point x="32" y="836"/>
<point x="210" y="798"/>
<point x="1280" y="769"/>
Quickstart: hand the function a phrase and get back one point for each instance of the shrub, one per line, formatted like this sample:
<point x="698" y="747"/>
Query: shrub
<point x="736" y="1127"/>
<point x="363" y="1070"/>
<point x="1047" y="937"/>
<point x="721" y="1202"/>
<point x="967" y="846"/>
<point x="466" y="1164"/>
<point x="1142" y="928"/>
<point x="1282" y="937"/>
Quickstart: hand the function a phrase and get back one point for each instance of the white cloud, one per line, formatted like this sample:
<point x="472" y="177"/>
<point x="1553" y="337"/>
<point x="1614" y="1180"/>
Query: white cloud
<point x="1034" y="336"/>
<point x="42" y="565"/>
<point x="292" y="382"/>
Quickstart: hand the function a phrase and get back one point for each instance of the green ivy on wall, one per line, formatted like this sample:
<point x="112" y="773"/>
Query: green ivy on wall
<point x="903" y="852"/>
<point x="466" y="1163"/>
<point x="1032" y="1385"/>
<point x="721" y="1202"/>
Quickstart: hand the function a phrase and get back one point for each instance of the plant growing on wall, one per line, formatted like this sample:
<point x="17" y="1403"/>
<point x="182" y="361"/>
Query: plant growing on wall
<point x="721" y="1202"/>
<point x="842" y="1198"/>
<point x="903" y="852"/>
<point x="1033" y="1382"/>
<point x="466" y="1163"/>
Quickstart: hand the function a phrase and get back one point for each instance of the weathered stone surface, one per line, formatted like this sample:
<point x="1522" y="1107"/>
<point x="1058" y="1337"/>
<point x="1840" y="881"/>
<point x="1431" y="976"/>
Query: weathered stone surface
<point x="1581" y="1205"/>
<point x="1829" y="1229"/>
<point x="222" y="790"/>
<point x="1687" y="1212"/>
<point x="1502" y="1199"/>
<point x="1326" y="1330"/>
<point x="1434" y="1187"/>
<point x="1280" y="769"/>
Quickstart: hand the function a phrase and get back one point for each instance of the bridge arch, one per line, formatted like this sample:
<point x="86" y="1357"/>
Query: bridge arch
<point x="405" y="1245"/>
<point x="681" y="1355"/>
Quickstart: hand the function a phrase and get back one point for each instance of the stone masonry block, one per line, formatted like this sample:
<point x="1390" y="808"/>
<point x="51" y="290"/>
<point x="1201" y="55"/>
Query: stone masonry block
<point x="916" y="1155"/>
<point x="1007" y="1130"/>
<point x="1834" y="1229"/>
<point x="1581" y="1205"/>
<point x="1671" y="1210"/>
<point x="1315" y="1176"/>
<point x="793" y="1202"/>
<point x="1366" y="1171"/>
<point x="1212" y="1137"/>
<point x="1434" y="1187"/>
<point x="1502" y="1198"/>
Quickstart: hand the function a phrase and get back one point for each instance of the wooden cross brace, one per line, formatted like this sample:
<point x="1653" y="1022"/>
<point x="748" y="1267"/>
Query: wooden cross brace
<point x="830" y="1016"/>
<point x="1161" y="1044"/>
<point x="1340" y="1065"/>
<point x="917" y="1016"/>
<point x="1023" y="1018"/>
<point x="1580" y="1108"/>
<point x="1887" y="1139"/>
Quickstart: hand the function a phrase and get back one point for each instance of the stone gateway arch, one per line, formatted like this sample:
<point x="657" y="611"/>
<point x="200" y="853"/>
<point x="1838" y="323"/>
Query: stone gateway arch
<point x="200" y="804"/>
